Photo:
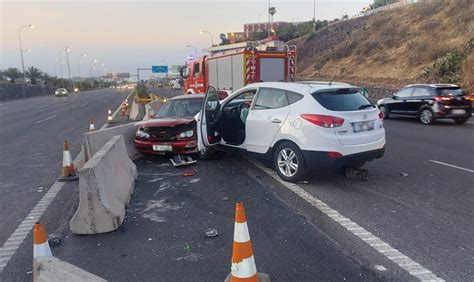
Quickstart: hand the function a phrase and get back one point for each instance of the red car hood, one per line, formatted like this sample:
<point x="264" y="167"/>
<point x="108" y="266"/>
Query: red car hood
<point x="166" y="122"/>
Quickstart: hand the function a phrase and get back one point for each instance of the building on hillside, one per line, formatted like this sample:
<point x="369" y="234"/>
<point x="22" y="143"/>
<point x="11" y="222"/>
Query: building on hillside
<point x="250" y="28"/>
<point x="236" y="36"/>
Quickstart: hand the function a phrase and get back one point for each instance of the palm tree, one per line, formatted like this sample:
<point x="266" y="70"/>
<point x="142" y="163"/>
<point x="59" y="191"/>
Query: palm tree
<point x="12" y="74"/>
<point x="46" y="78"/>
<point x="33" y="73"/>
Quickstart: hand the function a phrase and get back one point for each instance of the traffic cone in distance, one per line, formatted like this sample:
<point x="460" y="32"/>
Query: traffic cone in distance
<point x="40" y="242"/>
<point x="243" y="262"/>
<point x="91" y="125"/>
<point x="109" y="116"/>
<point x="67" y="173"/>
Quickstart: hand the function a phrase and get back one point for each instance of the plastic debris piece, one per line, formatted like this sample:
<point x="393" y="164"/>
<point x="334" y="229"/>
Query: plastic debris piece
<point x="189" y="173"/>
<point x="225" y="199"/>
<point x="211" y="232"/>
<point x="404" y="174"/>
<point x="179" y="160"/>
<point x="149" y="239"/>
<point x="54" y="240"/>
<point x="357" y="174"/>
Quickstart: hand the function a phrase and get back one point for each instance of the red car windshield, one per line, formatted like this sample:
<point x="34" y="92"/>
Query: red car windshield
<point x="180" y="108"/>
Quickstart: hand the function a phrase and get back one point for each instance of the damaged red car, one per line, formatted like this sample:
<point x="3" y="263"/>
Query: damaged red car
<point x="173" y="130"/>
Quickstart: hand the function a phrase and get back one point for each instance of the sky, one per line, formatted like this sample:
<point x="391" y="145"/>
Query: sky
<point x="126" y="35"/>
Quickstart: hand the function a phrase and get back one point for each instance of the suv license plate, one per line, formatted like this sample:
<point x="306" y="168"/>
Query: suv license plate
<point x="363" y="126"/>
<point x="459" y="112"/>
<point x="162" y="148"/>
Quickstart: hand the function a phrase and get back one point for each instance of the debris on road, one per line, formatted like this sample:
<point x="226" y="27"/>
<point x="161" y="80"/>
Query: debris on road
<point x="179" y="160"/>
<point x="54" y="240"/>
<point x="211" y="232"/>
<point x="357" y="174"/>
<point x="225" y="199"/>
<point x="404" y="174"/>
<point x="188" y="173"/>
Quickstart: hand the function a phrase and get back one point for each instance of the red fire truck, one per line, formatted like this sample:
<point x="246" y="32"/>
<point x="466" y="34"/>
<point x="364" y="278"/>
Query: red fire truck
<point x="230" y="67"/>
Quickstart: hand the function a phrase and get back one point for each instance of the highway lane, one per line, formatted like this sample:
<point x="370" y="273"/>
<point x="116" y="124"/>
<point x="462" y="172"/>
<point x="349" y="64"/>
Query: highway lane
<point x="32" y="132"/>
<point x="426" y="215"/>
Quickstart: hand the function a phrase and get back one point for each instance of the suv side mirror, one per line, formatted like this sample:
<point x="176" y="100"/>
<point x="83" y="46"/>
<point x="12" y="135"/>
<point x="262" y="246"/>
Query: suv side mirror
<point x="394" y="97"/>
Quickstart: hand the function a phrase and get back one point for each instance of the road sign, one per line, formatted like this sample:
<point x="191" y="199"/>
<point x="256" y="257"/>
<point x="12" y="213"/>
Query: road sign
<point x="159" y="69"/>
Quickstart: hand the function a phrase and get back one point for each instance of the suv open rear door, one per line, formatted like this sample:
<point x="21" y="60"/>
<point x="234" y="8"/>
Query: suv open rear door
<point x="210" y="123"/>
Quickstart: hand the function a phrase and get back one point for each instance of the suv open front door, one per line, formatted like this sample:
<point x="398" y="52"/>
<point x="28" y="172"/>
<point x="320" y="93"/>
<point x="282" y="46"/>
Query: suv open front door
<point x="210" y="124"/>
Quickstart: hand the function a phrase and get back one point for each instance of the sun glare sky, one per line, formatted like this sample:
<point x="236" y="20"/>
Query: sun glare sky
<point x="126" y="35"/>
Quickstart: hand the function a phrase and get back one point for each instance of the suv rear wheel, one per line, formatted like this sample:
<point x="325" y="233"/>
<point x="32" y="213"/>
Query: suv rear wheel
<point x="426" y="116"/>
<point x="289" y="163"/>
<point x="461" y="120"/>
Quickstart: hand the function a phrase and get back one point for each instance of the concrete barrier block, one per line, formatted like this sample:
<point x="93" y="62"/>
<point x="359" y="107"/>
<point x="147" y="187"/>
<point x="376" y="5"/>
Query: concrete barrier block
<point x="51" y="269"/>
<point x="96" y="139"/>
<point x="137" y="112"/>
<point x="149" y="111"/>
<point x="106" y="183"/>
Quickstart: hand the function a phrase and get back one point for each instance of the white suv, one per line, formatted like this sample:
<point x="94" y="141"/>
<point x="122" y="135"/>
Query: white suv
<point x="296" y="126"/>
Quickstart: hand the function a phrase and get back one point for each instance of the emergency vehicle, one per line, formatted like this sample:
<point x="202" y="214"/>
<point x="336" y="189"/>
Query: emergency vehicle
<point x="231" y="67"/>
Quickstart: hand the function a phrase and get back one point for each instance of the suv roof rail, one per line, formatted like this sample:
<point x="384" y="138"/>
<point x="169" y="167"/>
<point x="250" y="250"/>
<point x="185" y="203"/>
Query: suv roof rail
<point x="434" y="85"/>
<point x="316" y="82"/>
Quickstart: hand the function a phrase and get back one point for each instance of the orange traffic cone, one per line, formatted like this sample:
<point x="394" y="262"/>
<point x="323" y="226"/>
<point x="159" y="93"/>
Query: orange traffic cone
<point x="109" y="116"/>
<point x="243" y="263"/>
<point x="68" y="173"/>
<point x="91" y="125"/>
<point x="40" y="242"/>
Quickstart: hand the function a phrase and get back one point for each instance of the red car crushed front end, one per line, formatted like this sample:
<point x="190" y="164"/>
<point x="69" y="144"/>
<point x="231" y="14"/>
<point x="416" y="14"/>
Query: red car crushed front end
<point x="167" y="136"/>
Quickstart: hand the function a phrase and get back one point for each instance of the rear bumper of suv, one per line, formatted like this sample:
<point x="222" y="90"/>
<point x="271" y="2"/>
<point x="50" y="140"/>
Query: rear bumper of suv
<point x="316" y="159"/>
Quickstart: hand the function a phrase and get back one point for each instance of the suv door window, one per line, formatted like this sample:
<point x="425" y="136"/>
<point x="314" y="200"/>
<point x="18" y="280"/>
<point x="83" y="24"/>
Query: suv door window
<point x="269" y="98"/>
<point x="420" y="92"/>
<point x="293" y="97"/>
<point x="404" y="93"/>
<point x="196" y="69"/>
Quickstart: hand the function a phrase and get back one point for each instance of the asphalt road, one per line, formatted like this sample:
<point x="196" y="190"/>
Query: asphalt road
<point x="32" y="132"/>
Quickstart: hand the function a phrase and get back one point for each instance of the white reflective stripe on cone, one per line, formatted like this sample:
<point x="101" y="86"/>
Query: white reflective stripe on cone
<point x="244" y="269"/>
<point x="42" y="250"/>
<point x="241" y="232"/>
<point x="67" y="160"/>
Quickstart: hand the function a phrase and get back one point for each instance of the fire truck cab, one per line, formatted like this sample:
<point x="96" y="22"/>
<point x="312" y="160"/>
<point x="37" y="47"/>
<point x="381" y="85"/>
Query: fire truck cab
<point x="231" y="67"/>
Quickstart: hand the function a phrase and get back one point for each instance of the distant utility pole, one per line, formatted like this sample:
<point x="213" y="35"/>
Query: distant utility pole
<point x="269" y="28"/>
<point x="69" y="68"/>
<point x="314" y="15"/>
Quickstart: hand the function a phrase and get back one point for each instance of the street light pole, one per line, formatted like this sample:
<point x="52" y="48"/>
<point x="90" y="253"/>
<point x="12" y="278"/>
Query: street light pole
<point x="21" y="54"/>
<point x="79" y="67"/>
<point x="314" y="16"/>
<point x="210" y="34"/>
<point x="61" y="67"/>
<point x="195" y="52"/>
<point x="68" y="68"/>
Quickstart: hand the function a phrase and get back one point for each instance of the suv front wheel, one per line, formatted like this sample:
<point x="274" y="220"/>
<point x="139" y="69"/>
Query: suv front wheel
<point x="289" y="163"/>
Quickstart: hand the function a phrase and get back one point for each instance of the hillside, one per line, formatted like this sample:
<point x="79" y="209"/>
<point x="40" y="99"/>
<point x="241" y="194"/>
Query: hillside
<point x="424" y="42"/>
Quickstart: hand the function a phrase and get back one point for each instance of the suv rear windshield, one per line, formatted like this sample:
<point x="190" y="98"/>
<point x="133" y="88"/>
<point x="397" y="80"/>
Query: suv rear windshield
<point x="450" y="92"/>
<point x="345" y="99"/>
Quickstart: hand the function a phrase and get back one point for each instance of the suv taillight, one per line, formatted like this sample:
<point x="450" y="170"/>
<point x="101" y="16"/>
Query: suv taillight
<point x="443" y="99"/>
<point x="323" y="120"/>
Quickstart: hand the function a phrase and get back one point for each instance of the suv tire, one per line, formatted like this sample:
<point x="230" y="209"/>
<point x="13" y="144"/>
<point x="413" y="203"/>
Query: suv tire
<point x="461" y="120"/>
<point x="426" y="116"/>
<point x="289" y="163"/>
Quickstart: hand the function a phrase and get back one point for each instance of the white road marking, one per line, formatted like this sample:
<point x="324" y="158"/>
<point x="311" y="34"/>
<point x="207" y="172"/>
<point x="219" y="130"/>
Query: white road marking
<point x="42" y="107"/>
<point x="453" y="166"/>
<point x="403" y="261"/>
<point x="82" y="105"/>
<point x="12" y="244"/>
<point x="43" y="120"/>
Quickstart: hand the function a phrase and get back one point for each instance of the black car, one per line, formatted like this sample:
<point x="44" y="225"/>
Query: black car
<point x="428" y="102"/>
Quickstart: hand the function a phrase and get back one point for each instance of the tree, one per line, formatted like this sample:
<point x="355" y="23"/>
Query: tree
<point x="287" y="32"/>
<point x="46" y="78"/>
<point x="33" y="73"/>
<point x="224" y="40"/>
<point x="12" y="74"/>
<point x="259" y="35"/>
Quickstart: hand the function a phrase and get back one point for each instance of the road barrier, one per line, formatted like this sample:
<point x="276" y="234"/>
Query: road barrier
<point x="106" y="182"/>
<point x="243" y="263"/>
<point x="137" y="112"/>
